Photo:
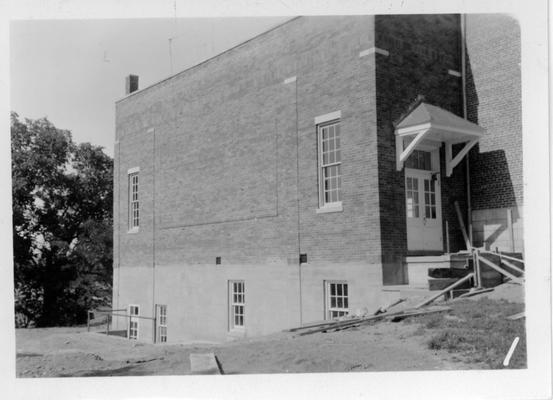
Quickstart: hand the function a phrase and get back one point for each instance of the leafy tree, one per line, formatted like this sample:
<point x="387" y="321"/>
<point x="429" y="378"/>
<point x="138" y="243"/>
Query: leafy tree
<point x="62" y="223"/>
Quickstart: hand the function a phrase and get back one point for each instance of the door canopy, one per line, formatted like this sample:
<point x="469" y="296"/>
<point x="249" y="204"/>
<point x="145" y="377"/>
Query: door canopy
<point x="428" y="124"/>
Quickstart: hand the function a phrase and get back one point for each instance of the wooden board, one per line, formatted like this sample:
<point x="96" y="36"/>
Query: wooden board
<point x="205" y="364"/>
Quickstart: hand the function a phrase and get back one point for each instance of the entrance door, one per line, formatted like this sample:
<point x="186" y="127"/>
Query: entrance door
<point x="423" y="207"/>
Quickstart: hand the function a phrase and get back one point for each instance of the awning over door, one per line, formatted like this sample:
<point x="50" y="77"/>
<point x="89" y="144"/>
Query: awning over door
<point x="428" y="124"/>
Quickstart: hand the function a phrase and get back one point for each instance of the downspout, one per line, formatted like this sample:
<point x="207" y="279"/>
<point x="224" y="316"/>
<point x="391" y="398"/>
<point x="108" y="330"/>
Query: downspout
<point x="154" y="328"/>
<point x="298" y="201"/>
<point x="464" y="101"/>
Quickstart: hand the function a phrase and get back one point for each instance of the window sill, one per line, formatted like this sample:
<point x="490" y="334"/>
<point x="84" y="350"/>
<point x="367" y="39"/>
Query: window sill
<point x="133" y="230"/>
<point x="329" y="208"/>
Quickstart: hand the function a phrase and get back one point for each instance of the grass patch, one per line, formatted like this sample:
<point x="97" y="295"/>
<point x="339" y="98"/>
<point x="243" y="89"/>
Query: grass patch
<point x="478" y="330"/>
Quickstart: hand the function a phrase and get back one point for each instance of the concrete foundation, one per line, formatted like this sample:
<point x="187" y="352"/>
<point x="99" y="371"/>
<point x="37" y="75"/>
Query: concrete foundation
<point x="197" y="297"/>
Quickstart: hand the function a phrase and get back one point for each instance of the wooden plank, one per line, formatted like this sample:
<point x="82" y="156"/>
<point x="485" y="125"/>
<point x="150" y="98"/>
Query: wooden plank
<point x="510" y="227"/>
<point x="500" y="270"/>
<point x="447" y="289"/>
<point x="512" y="266"/>
<point x="415" y="313"/>
<point x="319" y="324"/>
<point x="462" y="224"/>
<point x="205" y="363"/>
<point x="517" y="316"/>
<point x="502" y="256"/>
<point x="382" y="310"/>
<point x="343" y="324"/>
<point x="475" y="292"/>
<point x="349" y="324"/>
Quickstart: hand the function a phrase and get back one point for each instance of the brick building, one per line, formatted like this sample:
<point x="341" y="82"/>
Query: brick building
<point x="313" y="171"/>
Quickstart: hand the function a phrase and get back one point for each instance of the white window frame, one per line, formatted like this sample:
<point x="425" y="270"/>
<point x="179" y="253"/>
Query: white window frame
<point x="321" y="122"/>
<point x="237" y="301"/>
<point x="133" y="218"/>
<point x="333" y="312"/>
<point x="136" y="320"/>
<point x="161" y="333"/>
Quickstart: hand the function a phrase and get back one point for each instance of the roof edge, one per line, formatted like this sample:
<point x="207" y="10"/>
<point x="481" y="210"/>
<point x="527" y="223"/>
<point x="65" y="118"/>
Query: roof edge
<point x="208" y="59"/>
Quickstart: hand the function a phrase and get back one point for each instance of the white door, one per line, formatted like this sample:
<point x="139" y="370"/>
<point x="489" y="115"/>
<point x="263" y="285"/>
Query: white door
<point x="423" y="208"/>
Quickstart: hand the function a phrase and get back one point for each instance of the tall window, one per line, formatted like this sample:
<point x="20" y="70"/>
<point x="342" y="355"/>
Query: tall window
<point x="162" y="323"/>
<point x="336" y="299"/>
<point x="330" y="160"/>
<point x="134" y="206"/>
<point x="237" y="304"/>
<point x="412" y="196"/>
<point x="133" y="321"/>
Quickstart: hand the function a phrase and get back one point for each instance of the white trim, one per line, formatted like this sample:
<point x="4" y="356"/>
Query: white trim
<point x="415" y="128"/>
<point x="330" y="208"/>
<point x="460" y="130"/>
<point x="412" y="129"/>
<point x="136" y="229"/>
<point x="133" y="170"/>
<point x="321" y="119"/>
<point x="374" y="50"/>
<point x="328" y="308"/>
<point x="137" y="321"/>
<point x="292" y="79"/>
<point x="452" y="163"/>
<point x="232" y="304"/>
<point x="403" y="155"/>
<point x="454" y="73"/>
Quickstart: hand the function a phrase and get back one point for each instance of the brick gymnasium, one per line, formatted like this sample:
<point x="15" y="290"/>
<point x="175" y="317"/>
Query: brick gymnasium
<point x="313" y="171"/>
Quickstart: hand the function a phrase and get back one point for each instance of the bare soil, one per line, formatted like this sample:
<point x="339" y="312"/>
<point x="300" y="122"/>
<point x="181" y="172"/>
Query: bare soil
<point x="419" y="343"/>
<point x="384" y="346"/>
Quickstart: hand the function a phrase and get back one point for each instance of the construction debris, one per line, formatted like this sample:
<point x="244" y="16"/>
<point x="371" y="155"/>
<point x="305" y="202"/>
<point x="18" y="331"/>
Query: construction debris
<point x="382" y="310"/>
<point x="355" y="322"/>
<point x="501" y="270"/>
<point x="517" y="316"/>
<point x="444" y="291"/>
<point x="475" y="291"/>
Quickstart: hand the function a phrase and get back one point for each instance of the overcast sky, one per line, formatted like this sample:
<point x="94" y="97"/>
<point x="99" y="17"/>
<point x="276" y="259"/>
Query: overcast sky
<point x="73" y="71"/>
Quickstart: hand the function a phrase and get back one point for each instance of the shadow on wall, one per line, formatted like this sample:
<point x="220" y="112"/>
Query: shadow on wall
<point x="496" y="219"/>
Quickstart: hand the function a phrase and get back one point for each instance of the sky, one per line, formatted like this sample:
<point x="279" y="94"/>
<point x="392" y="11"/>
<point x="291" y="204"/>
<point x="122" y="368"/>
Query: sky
<point x="73" y="71"/>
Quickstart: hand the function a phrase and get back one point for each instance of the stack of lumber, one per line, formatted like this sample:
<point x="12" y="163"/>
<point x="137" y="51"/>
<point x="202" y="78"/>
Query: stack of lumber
<point x="382" y="313"/>
<point x="330" y="326"/>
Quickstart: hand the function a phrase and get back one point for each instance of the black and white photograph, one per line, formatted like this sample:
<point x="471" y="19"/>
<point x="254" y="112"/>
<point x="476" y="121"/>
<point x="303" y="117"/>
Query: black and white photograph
<point x="345" y="201"/>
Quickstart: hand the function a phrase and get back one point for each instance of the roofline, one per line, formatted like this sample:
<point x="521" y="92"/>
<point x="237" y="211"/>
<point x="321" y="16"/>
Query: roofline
<point x="207" y="60"/>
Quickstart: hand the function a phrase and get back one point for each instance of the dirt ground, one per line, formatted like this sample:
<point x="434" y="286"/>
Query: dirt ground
<point x="385" y="346"/>
<point x="381" y="346"/>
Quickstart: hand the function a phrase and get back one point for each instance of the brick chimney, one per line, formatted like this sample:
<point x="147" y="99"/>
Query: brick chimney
<point x="131" y="84"/>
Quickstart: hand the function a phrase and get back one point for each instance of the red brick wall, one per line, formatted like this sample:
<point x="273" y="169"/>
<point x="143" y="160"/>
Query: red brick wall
<point x="422" y="49"/>
<point x="225" y="152"/>
<point x="494" y="102"/>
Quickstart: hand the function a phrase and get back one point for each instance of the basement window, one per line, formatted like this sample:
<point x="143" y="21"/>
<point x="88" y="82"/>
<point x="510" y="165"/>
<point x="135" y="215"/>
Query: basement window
<point x="134" y="312"/>
<point x="237" y="291"/>
<point x="134" y="205"/>
<point x="336" y="300"/>
<point x="161" y="323"/>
